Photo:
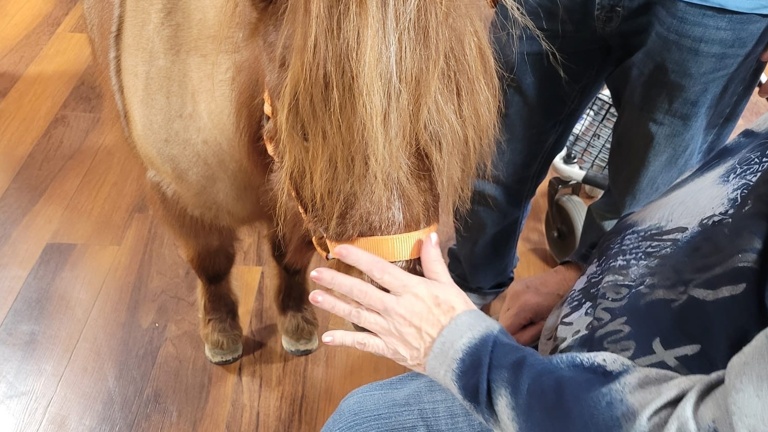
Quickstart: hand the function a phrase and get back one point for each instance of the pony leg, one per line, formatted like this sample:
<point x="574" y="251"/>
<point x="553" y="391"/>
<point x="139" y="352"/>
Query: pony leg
<point x="210" y="251"/>
<point x="297" y="321"/>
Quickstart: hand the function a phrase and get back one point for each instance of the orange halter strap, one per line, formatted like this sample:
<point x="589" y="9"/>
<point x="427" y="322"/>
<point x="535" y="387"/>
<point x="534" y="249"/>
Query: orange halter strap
<point x="396" y="247"/>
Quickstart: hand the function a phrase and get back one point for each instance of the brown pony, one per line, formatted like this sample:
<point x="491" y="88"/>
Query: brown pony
<point x="381" y="109"/>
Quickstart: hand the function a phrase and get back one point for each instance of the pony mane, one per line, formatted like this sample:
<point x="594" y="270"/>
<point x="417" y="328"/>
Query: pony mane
<point x="392" y="102"/>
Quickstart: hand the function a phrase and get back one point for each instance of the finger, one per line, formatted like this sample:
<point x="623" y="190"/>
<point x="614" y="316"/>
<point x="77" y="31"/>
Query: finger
<point x="386" y="274"/>
<point x="764" y="56"/>
<point x="432" y="261"/>
<point x="352" y="313"/>
<point x="362" y="341"/>
<point x="529" y="335"/>
<point x="762" y="90"/>
<point x="352" y="287"/>
<point x="513" y="321"/>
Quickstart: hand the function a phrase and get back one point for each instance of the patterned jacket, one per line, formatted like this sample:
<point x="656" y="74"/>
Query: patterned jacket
<point x="666" y="330"/>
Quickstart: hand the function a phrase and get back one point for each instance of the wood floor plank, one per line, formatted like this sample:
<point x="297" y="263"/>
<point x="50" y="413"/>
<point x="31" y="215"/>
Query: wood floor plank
<point x="18" y="18"/>
<point x="113" y="188"/>
<point x="117" y="348"/>
<point x="29" y="237"/>
<point x="110" y="192"/>
<point x="223" y="380"/>
<point x="18" y="59"/>
<point x="142" y="336"/>
<point x="74" y="20"/>
<point x="252" y="248"/>
<point x="34" y="101"/>
<point x="185" y="392"/>
<point x="265" y="368"/>
<point x="79" y="26"/>
<point x="86" y="97"/>
<point x="64" y="138"/>
<point x="41" y="330"/>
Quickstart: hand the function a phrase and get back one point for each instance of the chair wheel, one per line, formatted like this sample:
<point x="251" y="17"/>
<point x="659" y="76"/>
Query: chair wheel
<point x="563" y="225"/>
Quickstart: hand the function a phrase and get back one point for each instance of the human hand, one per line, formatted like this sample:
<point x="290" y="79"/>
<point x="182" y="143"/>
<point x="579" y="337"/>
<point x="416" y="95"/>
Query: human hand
<point x="762" y="87"/>
<point x="529" y="302"/>
<point x="404" y="322"/>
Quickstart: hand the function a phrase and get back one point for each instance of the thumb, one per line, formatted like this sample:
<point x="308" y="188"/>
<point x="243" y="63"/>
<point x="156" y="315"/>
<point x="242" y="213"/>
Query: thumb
<point x="432" y="260"/>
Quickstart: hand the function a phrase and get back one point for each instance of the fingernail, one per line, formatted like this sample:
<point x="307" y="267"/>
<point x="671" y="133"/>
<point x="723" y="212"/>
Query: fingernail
<point x="327" y="339"/>
<point x="316" y="297"/>
<point x="433" y="238"/>
<point x="313" y="274"/>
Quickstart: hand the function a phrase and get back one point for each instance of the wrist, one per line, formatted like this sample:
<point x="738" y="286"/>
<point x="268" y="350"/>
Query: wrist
<point x="566" y="276"/>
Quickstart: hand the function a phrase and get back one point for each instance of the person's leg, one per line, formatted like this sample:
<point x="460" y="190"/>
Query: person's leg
<point x="541" y="106"/>
<point x="687" y="75"/>
<point x="410" y="402"/>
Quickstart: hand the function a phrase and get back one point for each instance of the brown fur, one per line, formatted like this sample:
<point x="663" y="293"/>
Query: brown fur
<point x="382" y="110"/>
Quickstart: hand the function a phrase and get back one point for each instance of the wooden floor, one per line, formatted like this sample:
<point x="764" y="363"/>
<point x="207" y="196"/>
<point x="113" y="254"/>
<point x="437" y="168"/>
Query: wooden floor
<point x="97" y="310"/>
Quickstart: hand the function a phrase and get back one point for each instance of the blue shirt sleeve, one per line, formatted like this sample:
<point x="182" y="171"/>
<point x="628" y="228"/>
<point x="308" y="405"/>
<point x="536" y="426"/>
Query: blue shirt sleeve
<point x="514" y="388"/>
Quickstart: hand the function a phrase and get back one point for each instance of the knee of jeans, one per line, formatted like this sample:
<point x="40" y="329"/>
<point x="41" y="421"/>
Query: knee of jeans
<point x="362" y="409"/>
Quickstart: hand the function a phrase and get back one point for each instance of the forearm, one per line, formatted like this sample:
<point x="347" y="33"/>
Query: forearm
<point x="515" y="388"/>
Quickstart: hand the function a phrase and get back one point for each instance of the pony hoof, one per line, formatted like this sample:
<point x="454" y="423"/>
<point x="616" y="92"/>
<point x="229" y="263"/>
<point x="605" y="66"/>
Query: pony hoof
<point x="224" y="357"/>
<point x="301" y="348"/>
<point x="360" y="329"/>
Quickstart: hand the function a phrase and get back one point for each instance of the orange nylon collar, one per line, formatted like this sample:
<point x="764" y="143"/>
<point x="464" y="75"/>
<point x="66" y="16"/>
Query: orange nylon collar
<point x="393" y="248"/>
<point x="396" y="247"/>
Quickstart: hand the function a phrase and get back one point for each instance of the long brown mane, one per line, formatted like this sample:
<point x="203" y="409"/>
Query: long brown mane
<point x="371" y="87"/>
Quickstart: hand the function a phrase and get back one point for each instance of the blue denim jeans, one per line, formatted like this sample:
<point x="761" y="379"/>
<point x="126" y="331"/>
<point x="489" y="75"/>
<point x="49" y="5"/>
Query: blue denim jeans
<point x="680" y="75"/>
<point x="407" y="403"/>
